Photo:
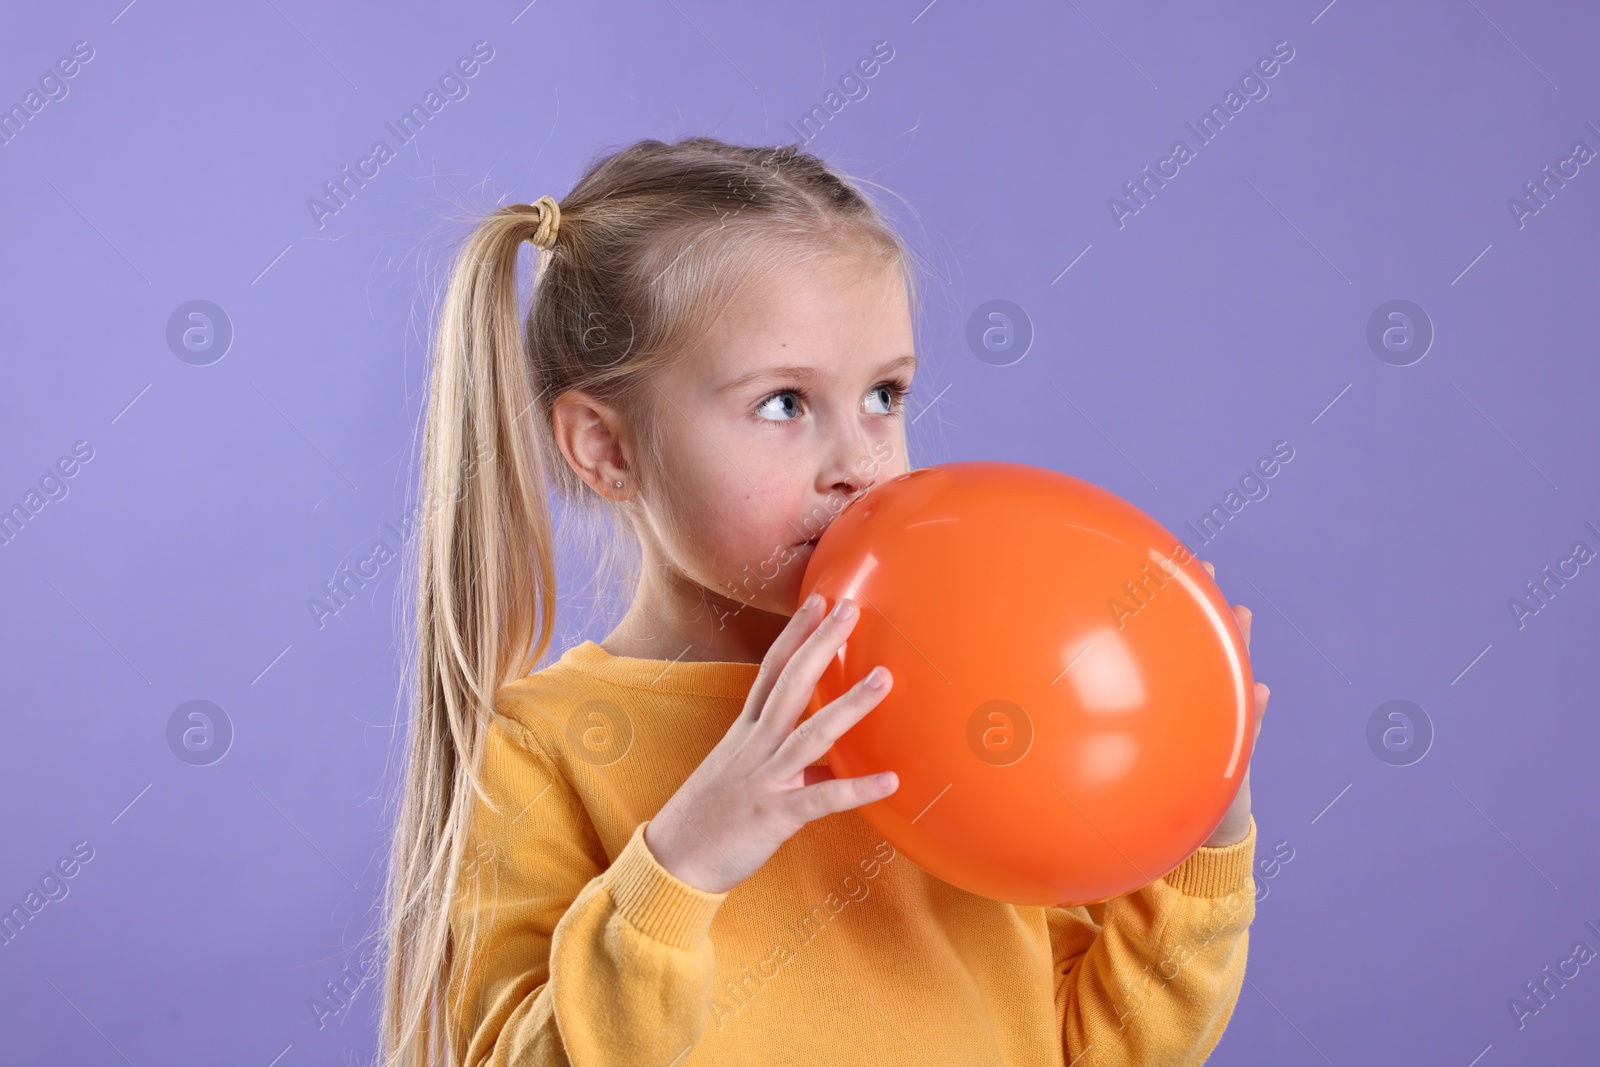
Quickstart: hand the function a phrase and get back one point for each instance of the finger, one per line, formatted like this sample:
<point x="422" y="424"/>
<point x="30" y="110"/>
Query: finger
<point x="841" y="794"/>
<point x="791" y="690"/>
<point x="1209" y="568"/>
<point x="802" y="624"/>
<point x="1244" y="615"/>
<point x="812" y="738"/>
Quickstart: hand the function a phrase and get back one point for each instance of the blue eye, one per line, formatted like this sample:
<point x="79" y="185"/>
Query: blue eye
<point x="779" y="406"/>
<point x="892" y="393"/>
<point x="791" y="404"/>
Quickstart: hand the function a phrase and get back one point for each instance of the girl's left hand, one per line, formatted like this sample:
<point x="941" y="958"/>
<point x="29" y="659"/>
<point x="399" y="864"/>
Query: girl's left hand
<point x="1235" y="824"/>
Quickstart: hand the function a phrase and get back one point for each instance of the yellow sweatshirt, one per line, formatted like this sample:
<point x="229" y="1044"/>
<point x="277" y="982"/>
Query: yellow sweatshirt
<point x="837" y="951"/>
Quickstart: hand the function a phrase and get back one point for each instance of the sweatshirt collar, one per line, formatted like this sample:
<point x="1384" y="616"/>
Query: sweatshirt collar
<point x="706" y="678"/>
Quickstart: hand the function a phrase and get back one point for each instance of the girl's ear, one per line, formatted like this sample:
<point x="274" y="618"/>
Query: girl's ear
<point x="590" y="435"/>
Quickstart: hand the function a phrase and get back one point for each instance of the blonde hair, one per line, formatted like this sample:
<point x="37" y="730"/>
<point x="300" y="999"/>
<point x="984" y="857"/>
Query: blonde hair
<point x="652" y="241"/>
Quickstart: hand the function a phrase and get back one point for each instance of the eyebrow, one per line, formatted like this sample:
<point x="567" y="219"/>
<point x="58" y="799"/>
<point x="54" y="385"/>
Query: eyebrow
<point x="808" y="373"/>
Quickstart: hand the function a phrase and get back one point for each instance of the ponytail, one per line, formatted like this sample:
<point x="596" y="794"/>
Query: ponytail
<point x="484" y="611"/>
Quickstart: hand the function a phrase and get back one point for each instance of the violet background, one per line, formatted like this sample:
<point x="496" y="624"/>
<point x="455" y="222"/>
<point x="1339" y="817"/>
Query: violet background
<point x="1229" y="314"/>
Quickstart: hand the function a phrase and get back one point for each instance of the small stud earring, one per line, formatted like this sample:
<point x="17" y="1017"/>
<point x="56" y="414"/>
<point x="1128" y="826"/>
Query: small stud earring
<point x="619" y="485"/>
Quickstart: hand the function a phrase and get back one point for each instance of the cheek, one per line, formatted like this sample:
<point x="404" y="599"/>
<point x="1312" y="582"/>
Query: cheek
<point x="737" y="529"/>
<point x="756" y="560"/>
<point x="750" y="524"/>
<point x="890" y="457"/>
<point x="733" y="499"/>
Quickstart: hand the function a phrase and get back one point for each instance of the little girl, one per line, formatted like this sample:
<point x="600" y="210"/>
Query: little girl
<point x="636" y="855"/>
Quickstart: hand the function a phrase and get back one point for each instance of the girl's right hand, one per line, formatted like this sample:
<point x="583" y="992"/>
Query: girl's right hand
<point x="757" y="788"/>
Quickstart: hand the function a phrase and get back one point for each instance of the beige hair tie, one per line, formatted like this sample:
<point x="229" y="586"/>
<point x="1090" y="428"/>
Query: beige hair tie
<point x="549" y="213"/>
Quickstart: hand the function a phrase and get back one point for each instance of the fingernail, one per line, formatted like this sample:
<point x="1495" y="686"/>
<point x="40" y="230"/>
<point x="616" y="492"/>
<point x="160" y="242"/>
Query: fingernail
<point x="843" y="608"/>
<point x="876" y="678"/>
<point x="811" y="602"/>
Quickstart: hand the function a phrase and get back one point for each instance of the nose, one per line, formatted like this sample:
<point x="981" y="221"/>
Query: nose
<point x="850" y="485"/>
<point x="851" y="468"/>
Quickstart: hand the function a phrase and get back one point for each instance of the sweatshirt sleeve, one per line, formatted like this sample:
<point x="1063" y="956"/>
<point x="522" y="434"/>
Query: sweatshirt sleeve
<point x="576" y="962"/>
<point x="1152" y="977"/>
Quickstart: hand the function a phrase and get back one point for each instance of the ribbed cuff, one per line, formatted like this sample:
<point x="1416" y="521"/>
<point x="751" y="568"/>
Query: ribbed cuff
<point x="656" y="901"/>
<point x="1215" y="872"/>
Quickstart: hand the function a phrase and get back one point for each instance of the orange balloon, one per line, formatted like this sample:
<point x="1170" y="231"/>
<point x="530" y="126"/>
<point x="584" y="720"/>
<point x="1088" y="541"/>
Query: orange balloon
<point x="1073" y="708"/>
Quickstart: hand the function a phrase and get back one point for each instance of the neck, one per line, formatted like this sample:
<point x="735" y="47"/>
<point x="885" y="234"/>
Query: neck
<point x="674" y="617"/>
